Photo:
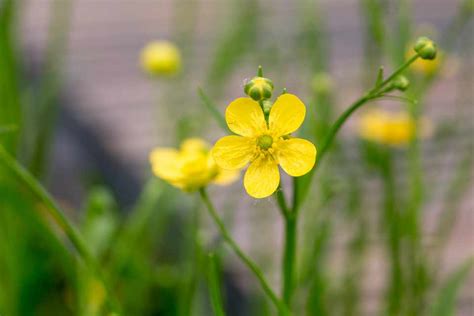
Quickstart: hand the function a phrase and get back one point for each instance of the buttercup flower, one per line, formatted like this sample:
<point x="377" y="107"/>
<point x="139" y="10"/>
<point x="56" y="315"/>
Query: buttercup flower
<point x="189" y="168"/>
<point x="393" y="129"/>
<point x="160" y="58"/>
<point x="265" y="145"/>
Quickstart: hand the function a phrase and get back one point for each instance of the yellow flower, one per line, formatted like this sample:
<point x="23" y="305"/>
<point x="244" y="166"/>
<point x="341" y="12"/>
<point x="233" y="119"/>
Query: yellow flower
<point x="394" y="129"/>
<point x="160" y="58"/>
<point x="189" y="168"/>
<point x="265" y="145"/>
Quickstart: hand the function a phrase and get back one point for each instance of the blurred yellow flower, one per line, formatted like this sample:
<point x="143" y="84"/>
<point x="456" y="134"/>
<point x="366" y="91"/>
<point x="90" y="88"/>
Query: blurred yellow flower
<point x="265" y="145"/>
<point x="189" y="168"/>
<point x="160" y="58"/>
<point x="391" y="128"/>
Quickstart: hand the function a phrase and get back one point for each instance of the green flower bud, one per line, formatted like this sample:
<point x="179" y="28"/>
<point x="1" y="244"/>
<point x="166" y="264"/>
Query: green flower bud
<point x="401" y="83"/>
<point x="426" y="48"/>
<point x="259" y="88"/>
<point x="322" y="83"/>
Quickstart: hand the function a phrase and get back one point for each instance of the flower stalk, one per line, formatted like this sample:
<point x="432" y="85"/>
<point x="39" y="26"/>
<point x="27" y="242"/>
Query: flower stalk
<point x="301" y="189"/>
<point x="281" y="307"/>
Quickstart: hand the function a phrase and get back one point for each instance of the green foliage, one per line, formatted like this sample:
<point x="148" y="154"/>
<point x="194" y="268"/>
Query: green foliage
<point x="444" y="303"/>
<point x="150" y="259"/>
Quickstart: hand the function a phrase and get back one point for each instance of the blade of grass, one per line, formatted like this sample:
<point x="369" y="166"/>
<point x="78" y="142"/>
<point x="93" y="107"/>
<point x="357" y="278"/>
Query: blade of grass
<point x="214" y="286"/>
<point x="48" y="101"/>
<point x="445" y="302"/>
<point x="7" y="129"/>
<point x="212" y="108"/>
<point x="238" y="39"/>
<point x="10" y="92"/>
<point x="58" y="215"/>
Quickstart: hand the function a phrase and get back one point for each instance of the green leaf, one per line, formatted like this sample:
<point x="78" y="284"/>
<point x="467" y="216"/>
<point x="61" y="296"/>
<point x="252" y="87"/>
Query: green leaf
<point x="212" y="108"/>
<point x="7" y="129"/>
<point x="214" y="286"/>
<point x="445" y="301"/>
<point x="379" y="79"/>
<point x="10" y="90"/>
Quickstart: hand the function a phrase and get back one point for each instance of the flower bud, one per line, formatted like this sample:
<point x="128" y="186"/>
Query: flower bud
<point x="425" y="48"/>
<point x="401" y="83"/>
<point x="322" y="83"/>
<point x="259" y="88"/>
<point x="160" y="58"/>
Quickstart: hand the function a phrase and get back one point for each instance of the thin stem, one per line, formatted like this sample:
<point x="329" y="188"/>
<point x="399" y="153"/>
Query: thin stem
<point x="392" y="221"/>
<point x="214" y="286"/>
<point x="58" y="215"/>
<point x="302" y="190"/>
<point x="395" y="74"/>
<point x="289" y="259"/>
<point x="245" y="259"/>
<point x="281" y="200"/>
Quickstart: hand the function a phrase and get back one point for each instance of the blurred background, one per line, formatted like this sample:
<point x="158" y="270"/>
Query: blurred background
<point x="85" y="116"/>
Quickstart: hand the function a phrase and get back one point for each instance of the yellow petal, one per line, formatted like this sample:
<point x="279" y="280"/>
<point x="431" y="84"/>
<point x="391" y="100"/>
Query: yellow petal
<point x="262" y="177"/>
<point x="296" y="156"/>
<point x="194" y="145"/>
<point x="233" y="152"/>
<point x="245" y="117"/>
<point x="225" y="177"/>
<point x="286" y="115"/>
<point x="164" y="163"/>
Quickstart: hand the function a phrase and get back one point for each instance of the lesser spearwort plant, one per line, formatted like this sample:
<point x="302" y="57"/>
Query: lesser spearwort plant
<point x="125" y="268"/>
<point x="265" y="141"/>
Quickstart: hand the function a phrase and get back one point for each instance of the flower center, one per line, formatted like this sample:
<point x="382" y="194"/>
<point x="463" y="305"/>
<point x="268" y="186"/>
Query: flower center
<point x="265" y="142"/>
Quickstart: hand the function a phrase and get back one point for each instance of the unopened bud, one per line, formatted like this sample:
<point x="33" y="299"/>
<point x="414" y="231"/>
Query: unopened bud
<point x="322" y="83"/>
<point x="425" y="48"/>
<point x="259" y="88"/>
<point x="401" y="83"/>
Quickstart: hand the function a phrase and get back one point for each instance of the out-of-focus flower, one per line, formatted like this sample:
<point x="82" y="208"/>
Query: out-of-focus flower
<point x="265" y="145"/>
<point x="160" y="58"/>
<point x="391" y="128"/>
<point x="189" y="168"/>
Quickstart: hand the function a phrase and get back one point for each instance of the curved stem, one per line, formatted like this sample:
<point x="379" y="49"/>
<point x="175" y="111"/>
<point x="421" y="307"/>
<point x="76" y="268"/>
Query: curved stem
<point x="246" y="260"/>
<point x="58" y="215"/>
<point x="302" y="190"/>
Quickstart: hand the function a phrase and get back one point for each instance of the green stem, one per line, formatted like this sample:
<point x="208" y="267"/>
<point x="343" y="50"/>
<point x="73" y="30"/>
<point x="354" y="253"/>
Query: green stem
<point x="214" y="286"/>
<point x="281" y="200"/>
<point x="245" y="259"/>
<point x="57" y="214"/>
<point x="392" y="223"/>
<point x="289" y="259"/>
<point x="328" y="140"/>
